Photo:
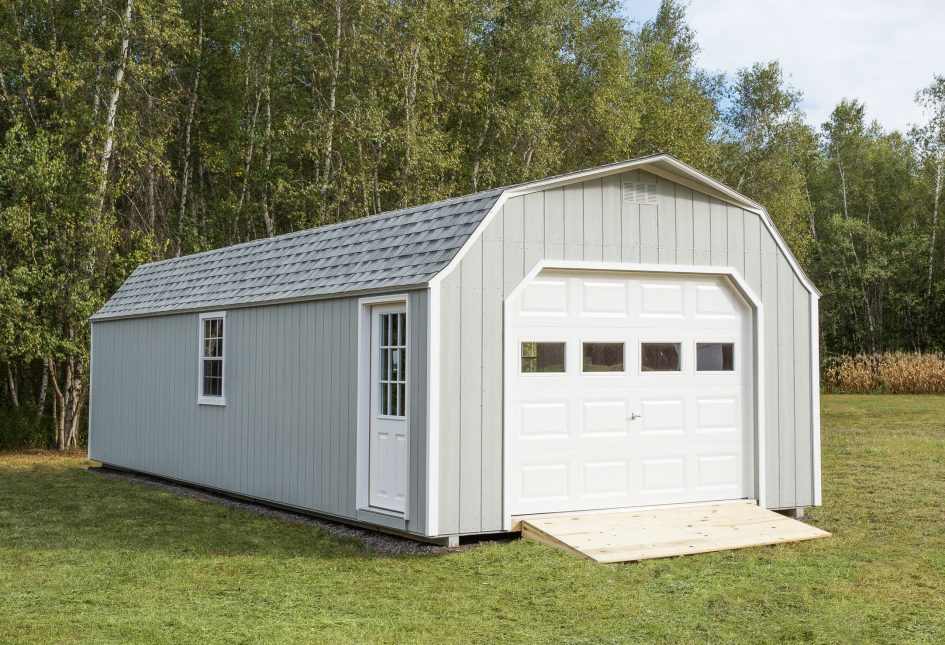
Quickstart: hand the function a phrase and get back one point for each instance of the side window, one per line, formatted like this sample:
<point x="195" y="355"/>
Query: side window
<point x="715" y="357"/>
<point x="541" y="357"/>
<point x="211" y="372"/>
<point x="660" y="357"/>
<point x="603" y="357"/>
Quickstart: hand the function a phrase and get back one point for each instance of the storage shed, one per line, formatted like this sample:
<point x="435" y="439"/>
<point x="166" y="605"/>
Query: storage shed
<point x="628" y="336"/>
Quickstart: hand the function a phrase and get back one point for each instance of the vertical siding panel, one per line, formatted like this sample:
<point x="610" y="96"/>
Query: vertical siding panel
<point x="451" y="404"/>
<point x="323" y="414"/>
<point x="611" y="216"/>
<point x="649" y="234"/>
<point x="736" y="238"/>
<point x="492" y="342"/>
<point x="343" y="367"/>
<point x="417" y="385"/>
<point x="666" y="220"/>
<point x="168" y="400"/>
<point x="803" y="459"/>
<point x="351" y="465"/>
<point x="593" y="220"/>
<point x="649" y="225"/>
<point x="753" y="252"/>
<point x="534" y="230"/>
<point x="311" y="405"/>
<point x="338" y="383"/>
<point x="244" y="354"/>
<point x="148" y="343"/>
<point x="257" y="434"/>
<point x="297" y="454"/>
<point x="289" y="412"/>
<point x="514" y="236"/>
<point x="272" y="404"/>
<point x="630" y="224"/>
<point x="769" y="296"/>
<point x="701" y="230"/>
<point x="786" y="401"/>
<point x="554" y="224"/>
<point x="684" y="228"/>
<point x="470" y="361"/>
<point x="275" y="402"/>
<point x="574" y="222"/>
<point x="718" y="214"/>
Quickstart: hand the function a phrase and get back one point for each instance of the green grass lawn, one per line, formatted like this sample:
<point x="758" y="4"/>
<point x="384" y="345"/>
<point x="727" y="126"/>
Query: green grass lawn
<point x="85" y="558"/>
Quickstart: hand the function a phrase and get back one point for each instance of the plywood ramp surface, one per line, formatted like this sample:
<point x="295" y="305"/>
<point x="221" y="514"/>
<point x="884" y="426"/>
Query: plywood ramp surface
<point x="626" y="536"/>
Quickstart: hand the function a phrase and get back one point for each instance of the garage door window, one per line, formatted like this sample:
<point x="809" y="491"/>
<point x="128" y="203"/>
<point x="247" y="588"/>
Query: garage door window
<point x="538" y="358"/>
<point x="715" y="357"/>
<point x="660" y="357"/>
<point x="603" y="357"/>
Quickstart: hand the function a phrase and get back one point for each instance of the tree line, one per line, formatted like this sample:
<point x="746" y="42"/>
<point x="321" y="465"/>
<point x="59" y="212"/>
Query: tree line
<point x="136" y="130"/>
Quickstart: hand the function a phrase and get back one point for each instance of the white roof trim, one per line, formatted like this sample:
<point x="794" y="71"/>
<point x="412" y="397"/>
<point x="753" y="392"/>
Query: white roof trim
<point x="687" y="176"/>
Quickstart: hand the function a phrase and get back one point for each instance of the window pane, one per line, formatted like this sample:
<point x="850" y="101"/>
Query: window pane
<point x="542" y="357"/>
<point x="402" y="326"/>
<point x="603" y="357"/>
<point x="715" y="357"/>
<point x="383" y="324"/>
<point x="395" y="365"/>
<point x="212" y="369"/>
<point x="385" y="366"/>
<point x="403" y="365"/>
<point x="401" y="391"/>
<point x="393" y="399"/>
<point x="659" y="357"/>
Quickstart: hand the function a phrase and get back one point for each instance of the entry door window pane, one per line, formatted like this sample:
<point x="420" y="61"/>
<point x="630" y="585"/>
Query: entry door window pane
<point x="603" y="357"/>
<point x="660" y="357"/>
<point x="542" y="357"/>
<point x="392" y="360"/>
<point x="715" y="357"/>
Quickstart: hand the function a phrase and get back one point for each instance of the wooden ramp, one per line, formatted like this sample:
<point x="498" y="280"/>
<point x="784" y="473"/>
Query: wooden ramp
<point x="626" y="536"/>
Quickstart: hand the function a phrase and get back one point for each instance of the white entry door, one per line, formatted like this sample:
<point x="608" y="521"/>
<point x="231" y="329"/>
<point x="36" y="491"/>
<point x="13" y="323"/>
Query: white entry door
<point x="388" y="432"/>
<point x="628" y="390"/>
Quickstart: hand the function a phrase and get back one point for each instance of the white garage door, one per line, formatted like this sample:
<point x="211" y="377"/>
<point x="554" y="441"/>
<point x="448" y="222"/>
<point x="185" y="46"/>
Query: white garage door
<point x="627" y="390"/>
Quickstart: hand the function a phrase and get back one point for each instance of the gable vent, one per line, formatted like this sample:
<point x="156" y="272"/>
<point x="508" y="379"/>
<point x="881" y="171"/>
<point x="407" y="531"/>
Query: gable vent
<point x="638" y="192"/>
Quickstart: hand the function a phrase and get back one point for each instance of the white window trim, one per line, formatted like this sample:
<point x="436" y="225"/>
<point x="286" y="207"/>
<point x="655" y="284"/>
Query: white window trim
<point x="543" y="374"/>
<point x="683" y="363"/>
<point x="695" y="357"/>
<point x="211" y="400"/>
<point x="622" y="372"/>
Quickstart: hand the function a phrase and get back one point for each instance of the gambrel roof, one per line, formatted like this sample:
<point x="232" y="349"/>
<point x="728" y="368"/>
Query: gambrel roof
<point x="393" y="250"/>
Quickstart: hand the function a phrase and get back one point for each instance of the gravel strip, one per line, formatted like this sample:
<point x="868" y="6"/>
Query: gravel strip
<point x="380" y="543"/>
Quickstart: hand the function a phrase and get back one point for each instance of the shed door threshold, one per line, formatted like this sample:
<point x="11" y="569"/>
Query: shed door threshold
<point x="666" y="532"/>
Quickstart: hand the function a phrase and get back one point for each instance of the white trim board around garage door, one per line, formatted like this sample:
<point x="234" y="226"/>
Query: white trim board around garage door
<point x="720" y="451"/>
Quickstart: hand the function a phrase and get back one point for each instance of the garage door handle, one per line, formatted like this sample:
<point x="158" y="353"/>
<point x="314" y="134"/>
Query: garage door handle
<point x="634" y="416"/>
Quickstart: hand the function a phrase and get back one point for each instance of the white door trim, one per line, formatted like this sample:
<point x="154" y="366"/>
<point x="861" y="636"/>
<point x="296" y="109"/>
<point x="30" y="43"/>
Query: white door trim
<point x="742" y="286"/>
<point x="362" y="493"/>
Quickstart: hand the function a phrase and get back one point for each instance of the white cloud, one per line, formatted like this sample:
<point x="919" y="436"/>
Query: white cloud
<point x="878" y="51"/>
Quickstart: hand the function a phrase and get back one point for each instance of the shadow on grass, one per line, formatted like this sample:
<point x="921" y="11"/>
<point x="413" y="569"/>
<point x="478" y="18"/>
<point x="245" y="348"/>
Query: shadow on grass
<point x="62" y="505"/>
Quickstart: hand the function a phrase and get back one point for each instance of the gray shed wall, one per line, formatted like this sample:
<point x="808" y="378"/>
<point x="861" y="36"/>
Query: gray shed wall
<point x="588" y="221"/>
<point x="288" y="431"/>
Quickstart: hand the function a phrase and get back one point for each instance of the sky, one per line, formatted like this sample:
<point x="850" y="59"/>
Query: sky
<point x="878" y="51"/>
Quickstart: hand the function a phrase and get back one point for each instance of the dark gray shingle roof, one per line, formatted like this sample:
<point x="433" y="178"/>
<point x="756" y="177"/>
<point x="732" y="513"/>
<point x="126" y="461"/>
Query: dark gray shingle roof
<point x="395" y="249"/>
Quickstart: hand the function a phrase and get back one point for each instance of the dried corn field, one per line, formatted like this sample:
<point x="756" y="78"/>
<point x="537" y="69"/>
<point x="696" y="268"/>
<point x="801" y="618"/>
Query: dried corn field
<point x="892" y="373"/>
